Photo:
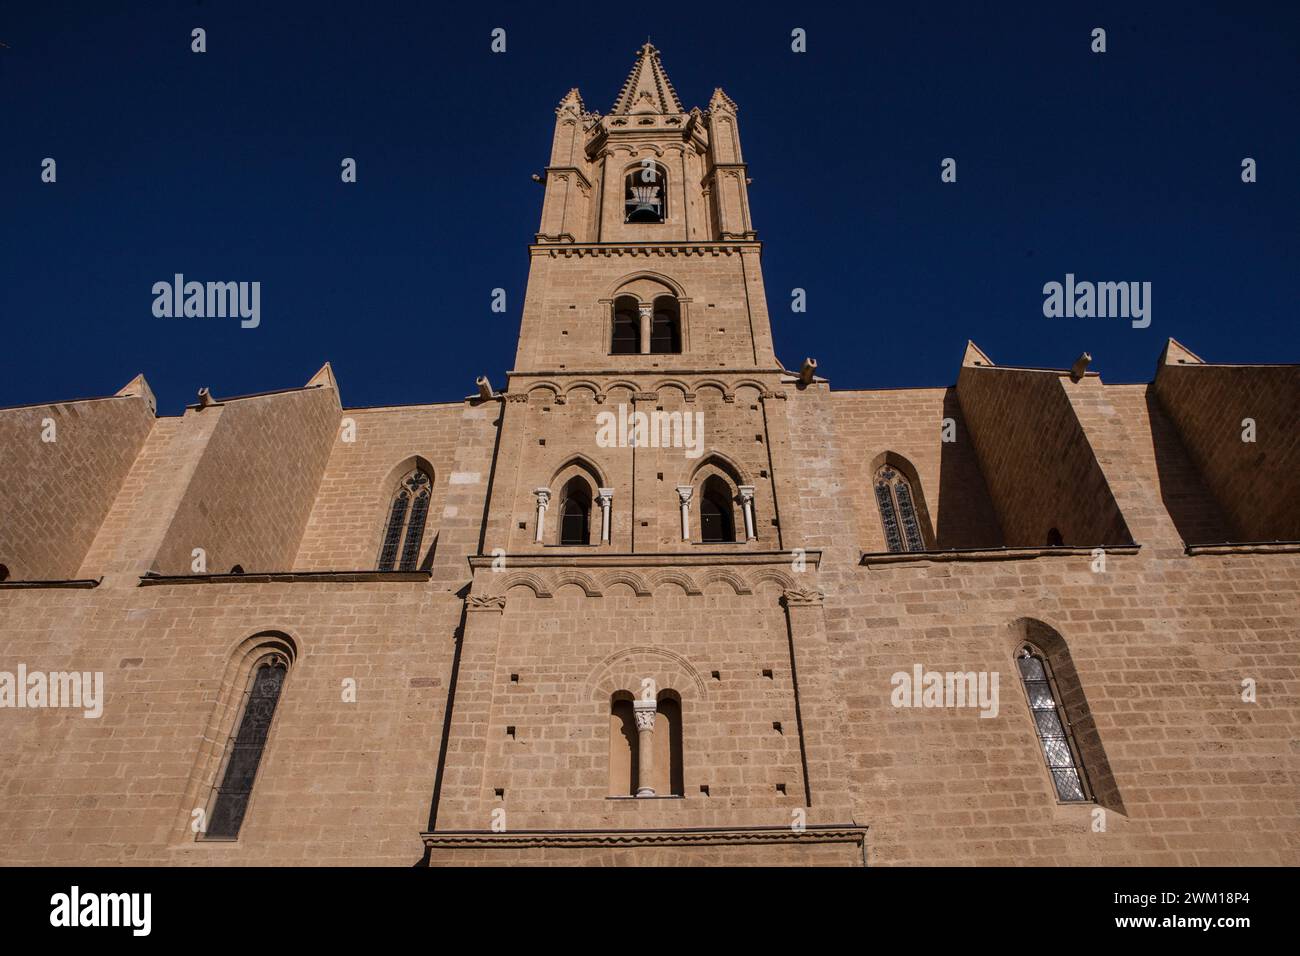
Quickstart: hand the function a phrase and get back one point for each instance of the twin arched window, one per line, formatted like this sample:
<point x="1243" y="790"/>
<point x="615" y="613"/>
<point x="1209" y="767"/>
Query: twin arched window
<point x="646" y="330"/>
<point x="645" y="193"/>
<point x="898" y="511"/>
<point x="406" y="518"/>
<point x="663" y="778"/>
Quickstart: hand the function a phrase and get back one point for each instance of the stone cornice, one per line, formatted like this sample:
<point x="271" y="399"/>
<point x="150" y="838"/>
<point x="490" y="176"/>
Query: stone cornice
<point x="660" y="559"/>
<point x="870" y="558"/>
<point x="579" y="249"/>
<point x="1243" y="547"/>
<point x="55" y="583"/>
<point x="727" y="836"/>
<point x="290" y="577"/>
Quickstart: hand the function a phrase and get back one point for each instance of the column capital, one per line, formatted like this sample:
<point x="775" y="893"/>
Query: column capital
<point x="604" y="496"/>
<point x="746" y="492"/>
<point x="684" y="492"/>
<point x="644" y="711"/>
<point x="543" y="496"/>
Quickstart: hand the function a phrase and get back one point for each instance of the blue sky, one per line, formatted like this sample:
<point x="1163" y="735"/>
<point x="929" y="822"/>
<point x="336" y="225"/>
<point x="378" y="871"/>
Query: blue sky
<point x="225" y="166"/>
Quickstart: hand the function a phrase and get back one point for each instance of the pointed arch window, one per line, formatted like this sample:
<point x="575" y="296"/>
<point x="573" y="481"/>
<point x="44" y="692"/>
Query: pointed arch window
<point x="626" y="336"/>
<point x="898" y="511"/>
<point x="645" y="193"/>
<point x="1055" y="736"/>
<point x="666" y="327"/>
<point x="244" y="749"/>
<point x="406" y="518"/>
<point x="575" y="512"/>
<point x="717" y="522"/>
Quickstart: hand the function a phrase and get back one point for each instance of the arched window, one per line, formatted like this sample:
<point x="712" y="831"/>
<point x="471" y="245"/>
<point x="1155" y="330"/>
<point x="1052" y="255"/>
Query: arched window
<point x="717" y="522"/>
<point x="575" y="512"/>
<point x="645" y="196"/>
<point x="667" y="774"/>
<point x="244" y="748"/>
<point x="898" y="511"/>
<point x="624" y="765"/>
<point x="406" y="517"/>
<point x="1055" y="735"/>
<point x="626" y="336"/>
<point x="666" y="327"/>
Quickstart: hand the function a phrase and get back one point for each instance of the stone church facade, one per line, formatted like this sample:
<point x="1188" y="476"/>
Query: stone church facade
<point x="659" y="600"/>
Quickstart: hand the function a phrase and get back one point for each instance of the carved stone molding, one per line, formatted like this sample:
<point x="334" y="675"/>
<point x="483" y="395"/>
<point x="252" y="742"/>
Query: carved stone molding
<point x="487" y="602"/>
<point x="803" y="597"/>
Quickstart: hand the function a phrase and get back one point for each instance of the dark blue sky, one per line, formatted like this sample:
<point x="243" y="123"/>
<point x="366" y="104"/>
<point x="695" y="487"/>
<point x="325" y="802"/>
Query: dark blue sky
<point x="225" y="166"/>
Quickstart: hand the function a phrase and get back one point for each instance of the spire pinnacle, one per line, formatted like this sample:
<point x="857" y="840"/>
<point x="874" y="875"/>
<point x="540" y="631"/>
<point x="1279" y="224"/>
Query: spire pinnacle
<point x="647" y="89"/>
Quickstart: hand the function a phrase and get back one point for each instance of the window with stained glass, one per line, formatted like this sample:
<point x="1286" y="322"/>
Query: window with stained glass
<point x="244" y="750"/>
<point x="406" y="518"/>
<point x="1055" y="737"/>
<point x="898" y="511"/>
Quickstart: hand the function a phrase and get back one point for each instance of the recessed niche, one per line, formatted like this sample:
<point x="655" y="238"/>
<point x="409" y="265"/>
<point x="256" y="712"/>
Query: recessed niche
<point x="767" y="672"/>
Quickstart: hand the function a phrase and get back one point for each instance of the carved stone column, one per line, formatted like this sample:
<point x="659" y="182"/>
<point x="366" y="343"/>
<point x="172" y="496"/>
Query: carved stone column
<point x="747" y="505"/>
<point x="684" y="492"/>
<point x="543" y="499"/>
<point x="647" y="318"/>
<point x="645" y="711"/>
<point x="605" y="497"/>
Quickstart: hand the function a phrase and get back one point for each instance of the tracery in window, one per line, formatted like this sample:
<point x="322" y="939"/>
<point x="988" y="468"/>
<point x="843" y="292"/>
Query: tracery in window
<point x="898" y="511"/>
<point x="406" y="518"/>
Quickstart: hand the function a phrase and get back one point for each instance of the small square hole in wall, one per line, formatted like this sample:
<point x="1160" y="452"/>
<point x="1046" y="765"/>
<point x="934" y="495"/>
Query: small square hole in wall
<point x="717" y="675"/>
<point x="659" y="408"/>
<point x="546" y="408"/>
<point x="773" y="522"/>
<point x="762" y="473"/>
<point x="776" y="725"/>
<point x="780" y="788"/>
<point x="499" y="793"/>
<point x="722" y="330"/>
<point x="564" y="332"/>
<point x="541" y="441"/>
<point x="767" y="672"/>
<point x="753" y="408"/>
<point x="514" y="678"/>
<point x="510" y="731"/>
<point x="704" y="789"/>
<point x="563" y="366"/>
<point x="758" y="438"/>
<point x="661" y="476"/>
<point x="573" y="307"/>
<point x="523" y="525"/>
<point x="712" y="306"/>
<point x="645" y="524"/>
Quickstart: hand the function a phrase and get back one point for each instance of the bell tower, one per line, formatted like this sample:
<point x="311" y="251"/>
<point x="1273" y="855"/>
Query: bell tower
<point x="646" y="257"/>
<point x="645" y="297"/>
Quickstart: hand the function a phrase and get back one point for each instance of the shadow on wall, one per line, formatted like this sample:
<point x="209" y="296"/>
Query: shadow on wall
<point x="966" y="518"/>
<point x="1193" y="509"/>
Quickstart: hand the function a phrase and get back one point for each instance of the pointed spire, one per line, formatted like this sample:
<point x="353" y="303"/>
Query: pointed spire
<point x="572" y="101"/>
<point x="721" y="101"/>
<point x="648" y="89"/>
